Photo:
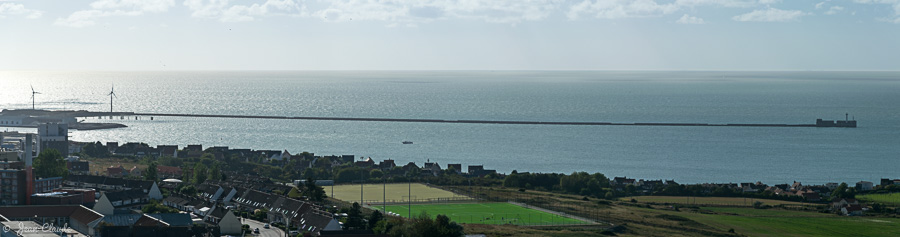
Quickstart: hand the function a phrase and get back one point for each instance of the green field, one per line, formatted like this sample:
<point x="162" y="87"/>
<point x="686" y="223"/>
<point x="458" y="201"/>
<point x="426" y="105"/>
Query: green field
<point x="728" y="201"/>
<point x="398" y="192"/>
<point x="486" y="213"/>
<point x="768" y="222"/>
<point x="890" y="199"/>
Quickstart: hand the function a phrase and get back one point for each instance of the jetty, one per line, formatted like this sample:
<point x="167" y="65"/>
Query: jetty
<point x="819" y="123"/>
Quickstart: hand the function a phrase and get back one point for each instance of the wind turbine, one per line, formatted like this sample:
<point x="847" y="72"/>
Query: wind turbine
<point x="111" y="94"/>
<point x="32" y="96"/>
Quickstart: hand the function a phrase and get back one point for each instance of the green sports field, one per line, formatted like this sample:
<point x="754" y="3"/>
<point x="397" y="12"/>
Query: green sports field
<point x="486" y="213"/>
<point x="890" y="199"/>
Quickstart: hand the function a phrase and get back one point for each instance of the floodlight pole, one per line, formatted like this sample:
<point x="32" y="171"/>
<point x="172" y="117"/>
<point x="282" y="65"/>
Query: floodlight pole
<point x="409" y="202"/>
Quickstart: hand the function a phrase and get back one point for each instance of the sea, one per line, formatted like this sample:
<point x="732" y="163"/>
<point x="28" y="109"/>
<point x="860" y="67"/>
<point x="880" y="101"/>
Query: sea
<point x="771" y="155"/>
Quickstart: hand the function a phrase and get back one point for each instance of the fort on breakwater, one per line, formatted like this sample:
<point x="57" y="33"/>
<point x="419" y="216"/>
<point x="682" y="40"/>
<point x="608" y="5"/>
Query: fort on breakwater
<point x="43" y="113"/>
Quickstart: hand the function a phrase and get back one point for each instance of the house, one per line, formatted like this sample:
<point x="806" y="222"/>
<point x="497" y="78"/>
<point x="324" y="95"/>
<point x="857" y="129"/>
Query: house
<point x="348" y="158"/>
<point x="167" y="172"/>
<point x="174" y="219"/>
<point x="852" y="210"/>
<point x="864" y="186"/>
<point x="752" y="187"/>
<point x="623" y="181"/>
<point x="108" y="183"/>
<point x="211" y="193"/>
<point x="117" y="172"/>
<point x="225" y="219"/>
<point x="367" y="163"/>
<point x="811" y="196"/>
<point x="168" y="150"/>
<point x="134" y="171"/>
<point x="169" y="224"/>
<point x="837" y="204"/>
<point x="123" y="201"/>
<point x="315" y="221"/>
<point x="650" y="184"/>
<point x="77" y="217"/>
<point x="411" y="166"/>
<point x="456" y="167"/>
<point x="112" y="146"/>
<point x="78" y="167"/>
<point x="832" y="186"/>
<point x="387" y="164"/>
<point x="432" y="167"/>
<point x="177" y="201"/>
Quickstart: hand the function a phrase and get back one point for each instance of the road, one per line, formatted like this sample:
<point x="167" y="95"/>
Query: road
<point x="263" y="232"/>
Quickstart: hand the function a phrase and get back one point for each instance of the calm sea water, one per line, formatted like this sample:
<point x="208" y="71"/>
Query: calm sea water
<point x="686" y="154"/>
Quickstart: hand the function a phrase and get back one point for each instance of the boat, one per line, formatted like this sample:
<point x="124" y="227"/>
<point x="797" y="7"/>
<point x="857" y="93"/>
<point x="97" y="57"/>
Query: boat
<point x="407" y="142"/>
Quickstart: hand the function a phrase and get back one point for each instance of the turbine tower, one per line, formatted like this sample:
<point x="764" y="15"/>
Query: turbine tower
<point x="32" y="97"/>
<point x="112" y="93"/>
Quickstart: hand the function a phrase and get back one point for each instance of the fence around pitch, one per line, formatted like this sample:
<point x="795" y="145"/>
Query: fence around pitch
<point x="420" y="201"/>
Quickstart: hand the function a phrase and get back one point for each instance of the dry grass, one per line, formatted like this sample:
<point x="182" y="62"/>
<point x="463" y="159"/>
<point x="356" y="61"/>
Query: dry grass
<point x="723" y="201"/>
<point x="100" y="164"/>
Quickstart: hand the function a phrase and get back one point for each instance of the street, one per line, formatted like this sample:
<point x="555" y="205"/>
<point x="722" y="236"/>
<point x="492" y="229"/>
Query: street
<point x="263" y="232"/>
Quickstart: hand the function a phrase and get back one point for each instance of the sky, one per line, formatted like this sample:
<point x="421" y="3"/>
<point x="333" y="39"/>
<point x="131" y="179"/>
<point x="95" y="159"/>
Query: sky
<point x="163" y="35"/>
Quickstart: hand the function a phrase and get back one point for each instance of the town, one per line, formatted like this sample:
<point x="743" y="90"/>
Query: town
<point x="134" y="189"/>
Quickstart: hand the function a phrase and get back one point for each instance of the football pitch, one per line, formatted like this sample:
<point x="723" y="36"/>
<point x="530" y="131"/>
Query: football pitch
<point x="497" y="213"/>
<point x="396" y="192"/>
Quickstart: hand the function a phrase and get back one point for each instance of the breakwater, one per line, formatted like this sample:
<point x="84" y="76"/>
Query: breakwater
<point x="82" y="113"/>
<point x="473" y="121"/>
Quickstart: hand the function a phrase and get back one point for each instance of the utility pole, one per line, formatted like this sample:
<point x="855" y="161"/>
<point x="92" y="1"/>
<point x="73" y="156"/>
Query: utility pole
<point x="383" y="194"/>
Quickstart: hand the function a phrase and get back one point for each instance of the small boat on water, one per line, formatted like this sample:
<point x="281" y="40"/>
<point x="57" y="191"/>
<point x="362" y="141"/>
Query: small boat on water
<point x="407" y="142"/>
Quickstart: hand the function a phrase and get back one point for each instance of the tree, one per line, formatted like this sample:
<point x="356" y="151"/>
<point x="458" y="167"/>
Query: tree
<point x="422" y="225"/>
<point x="294" y="193"/>
<point x="50" y="163"/>
<point x="95" y="150"/>
<point x="313" y="191"/>
<point x="447" y="228"/>
<point x="839" y="192"/>
<point x="376" y="173"/>
<point x="354" y="218"/>
<point x="151" y="172"/>
<point x="155" y="207"/>
<point x="374" y="219"/>
<point x="188" y="190"/>
<point x="215" y="173"/>
<point x="199" y="173"/>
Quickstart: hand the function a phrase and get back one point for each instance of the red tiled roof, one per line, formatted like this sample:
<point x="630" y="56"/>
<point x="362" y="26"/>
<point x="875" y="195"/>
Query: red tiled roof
<point x="168" y="169"/>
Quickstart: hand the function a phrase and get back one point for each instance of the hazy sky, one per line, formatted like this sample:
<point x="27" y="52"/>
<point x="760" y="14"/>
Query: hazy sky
<point x="453" y="35"/>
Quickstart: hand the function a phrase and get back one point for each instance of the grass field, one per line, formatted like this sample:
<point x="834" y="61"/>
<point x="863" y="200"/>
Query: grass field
<point x="890" y="199"/>
<point x="768" y="222"/>
<point x="785" y="223"/>
<point x="398" y="192"/>
<point x="99" y="165"/>
<point x="729" y="201"/>
<point x="486" y="213"/>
